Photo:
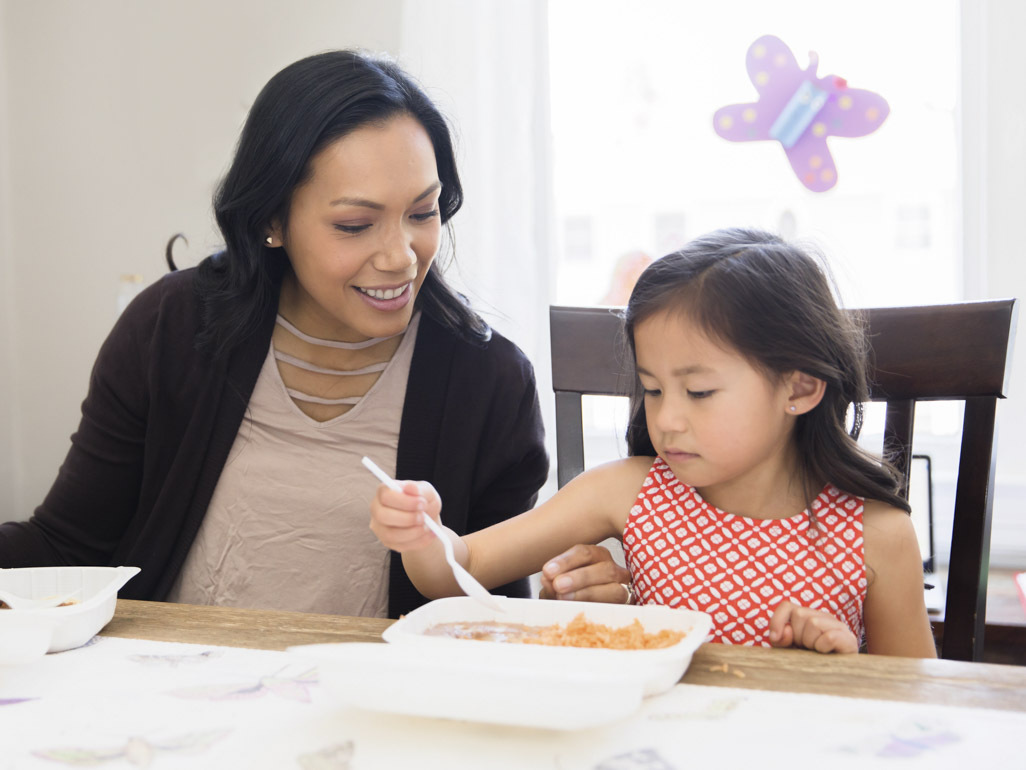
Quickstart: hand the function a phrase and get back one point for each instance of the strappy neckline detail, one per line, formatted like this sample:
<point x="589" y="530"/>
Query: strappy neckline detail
<point x="282" y="321"/>
<point x="299" y="363"/>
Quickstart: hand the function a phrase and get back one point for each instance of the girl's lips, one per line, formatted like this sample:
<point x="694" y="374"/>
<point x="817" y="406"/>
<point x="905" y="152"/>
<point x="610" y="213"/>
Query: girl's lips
<point x="389" y="305"/>
<point x="678" y="456"/>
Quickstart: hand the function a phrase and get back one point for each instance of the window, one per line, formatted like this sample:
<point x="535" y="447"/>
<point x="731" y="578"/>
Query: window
<point x="640" y="170"/>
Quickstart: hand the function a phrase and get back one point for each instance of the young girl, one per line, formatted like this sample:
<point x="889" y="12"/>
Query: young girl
<point x="744" y="495"/>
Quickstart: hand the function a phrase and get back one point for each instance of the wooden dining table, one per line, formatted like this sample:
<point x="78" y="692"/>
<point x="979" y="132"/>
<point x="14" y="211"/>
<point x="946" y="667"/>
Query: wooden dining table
<point x="942" y="682"/>
<point x="168" y="686"/>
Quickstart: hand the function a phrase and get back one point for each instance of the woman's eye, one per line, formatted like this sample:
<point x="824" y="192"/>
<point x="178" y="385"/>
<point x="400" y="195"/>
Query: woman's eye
<point x="700" y="393"/>
<point x="652" y="392"/>
<point x="351" y="229"/>
<point x="425" y="216"/>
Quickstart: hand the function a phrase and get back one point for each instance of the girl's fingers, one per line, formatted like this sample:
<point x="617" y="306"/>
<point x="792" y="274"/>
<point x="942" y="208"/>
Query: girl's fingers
<point x="780" y="620"/>
<point x="839" y="640"/>
<point x="410" y="499"/>
<point x="785" y="638"/>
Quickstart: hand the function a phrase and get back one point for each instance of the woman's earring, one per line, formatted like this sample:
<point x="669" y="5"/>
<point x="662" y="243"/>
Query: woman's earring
<point x="793" y="408"/>
<point x="270" y="240"/>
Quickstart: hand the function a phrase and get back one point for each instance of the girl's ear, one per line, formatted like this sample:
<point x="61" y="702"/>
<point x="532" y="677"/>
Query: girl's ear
<point x="805" y="392"/>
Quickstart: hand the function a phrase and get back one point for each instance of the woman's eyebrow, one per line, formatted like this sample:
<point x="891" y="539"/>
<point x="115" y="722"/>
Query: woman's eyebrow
<point x="369" y="204"/>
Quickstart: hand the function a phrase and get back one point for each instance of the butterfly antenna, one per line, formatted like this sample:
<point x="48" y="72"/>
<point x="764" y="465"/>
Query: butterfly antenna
<point x="813" y="62"/>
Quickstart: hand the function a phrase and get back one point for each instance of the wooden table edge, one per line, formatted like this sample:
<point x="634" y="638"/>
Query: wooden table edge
<point x="944" y="682"/>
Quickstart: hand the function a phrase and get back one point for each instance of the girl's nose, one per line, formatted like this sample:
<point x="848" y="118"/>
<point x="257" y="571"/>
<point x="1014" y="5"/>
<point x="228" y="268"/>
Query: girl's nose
<point x="670" y="416"/>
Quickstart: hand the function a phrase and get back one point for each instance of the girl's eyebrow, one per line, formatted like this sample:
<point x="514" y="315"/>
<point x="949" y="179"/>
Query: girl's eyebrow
<point x="369" y="204"/>
<point x="681" y="372"/>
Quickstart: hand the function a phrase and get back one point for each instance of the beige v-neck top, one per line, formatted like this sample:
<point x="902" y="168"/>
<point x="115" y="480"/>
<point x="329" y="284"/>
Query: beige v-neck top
<point x="287" y="527"/>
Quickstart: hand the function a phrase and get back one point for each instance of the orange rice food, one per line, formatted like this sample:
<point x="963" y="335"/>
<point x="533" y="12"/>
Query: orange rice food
<point x="579" y="632"/>
<point x="5" y="606"/>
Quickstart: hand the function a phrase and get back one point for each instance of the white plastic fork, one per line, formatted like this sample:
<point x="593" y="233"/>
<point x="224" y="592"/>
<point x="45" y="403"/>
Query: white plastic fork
<point x="465" y="580"/>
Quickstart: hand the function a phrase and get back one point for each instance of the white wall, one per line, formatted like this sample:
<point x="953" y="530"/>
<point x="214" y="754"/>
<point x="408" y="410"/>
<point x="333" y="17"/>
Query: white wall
<point x="121" y="116"/>
<point x="9" y="449"/>
<point x="994" y="181"/>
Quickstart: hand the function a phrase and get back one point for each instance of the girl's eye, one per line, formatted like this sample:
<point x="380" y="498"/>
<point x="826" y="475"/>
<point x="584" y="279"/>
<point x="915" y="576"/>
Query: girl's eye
<point x="351" y="229"/>
<point x="700" y="393"/>
<point x="652" y="392"/>
<point x="425" y="216"/>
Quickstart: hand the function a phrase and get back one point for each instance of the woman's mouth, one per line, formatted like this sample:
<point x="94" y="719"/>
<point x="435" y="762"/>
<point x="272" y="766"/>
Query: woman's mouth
<point x="393" y="298"/>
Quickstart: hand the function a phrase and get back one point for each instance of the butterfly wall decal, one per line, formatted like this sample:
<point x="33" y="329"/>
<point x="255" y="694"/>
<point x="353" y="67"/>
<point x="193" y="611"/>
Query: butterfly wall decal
<point x="800" y="110"/>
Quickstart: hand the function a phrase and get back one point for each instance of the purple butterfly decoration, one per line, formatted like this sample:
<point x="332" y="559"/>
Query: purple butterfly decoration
<point x="799" y="110"/>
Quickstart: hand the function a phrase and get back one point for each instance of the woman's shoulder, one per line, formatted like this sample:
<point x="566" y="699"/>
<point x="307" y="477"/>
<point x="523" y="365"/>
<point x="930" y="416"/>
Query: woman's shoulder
<point x="177" y="288"/>
<point x="167" y="308"/>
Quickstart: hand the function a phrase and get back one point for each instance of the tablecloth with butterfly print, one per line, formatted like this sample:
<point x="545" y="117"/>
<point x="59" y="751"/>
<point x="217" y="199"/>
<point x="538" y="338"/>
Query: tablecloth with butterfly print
<point x="133" y="703"/>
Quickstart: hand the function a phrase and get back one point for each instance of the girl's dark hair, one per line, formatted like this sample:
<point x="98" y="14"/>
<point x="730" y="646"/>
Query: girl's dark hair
<point x="772" y="302"/>
<point x="302" y="109"/>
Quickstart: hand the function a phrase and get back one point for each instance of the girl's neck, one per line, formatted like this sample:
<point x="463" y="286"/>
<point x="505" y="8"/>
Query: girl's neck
<point x="773" y="490"/>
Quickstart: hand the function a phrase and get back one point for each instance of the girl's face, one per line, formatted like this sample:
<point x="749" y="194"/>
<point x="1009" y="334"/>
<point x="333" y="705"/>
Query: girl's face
<point x="714" y="418"/>
<point x="362" y="233"/>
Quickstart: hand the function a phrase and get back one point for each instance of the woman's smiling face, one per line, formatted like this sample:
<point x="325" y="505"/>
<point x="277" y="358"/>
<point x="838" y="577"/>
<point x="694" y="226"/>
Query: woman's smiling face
<point x="362" y="233"/>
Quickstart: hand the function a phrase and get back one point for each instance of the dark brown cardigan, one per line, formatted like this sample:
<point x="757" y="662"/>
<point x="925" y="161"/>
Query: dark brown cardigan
<point x="160" y="418"/>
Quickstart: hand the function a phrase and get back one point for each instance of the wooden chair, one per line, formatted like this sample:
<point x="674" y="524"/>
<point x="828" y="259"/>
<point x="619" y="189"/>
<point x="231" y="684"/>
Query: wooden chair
<point x="957" y="352"/>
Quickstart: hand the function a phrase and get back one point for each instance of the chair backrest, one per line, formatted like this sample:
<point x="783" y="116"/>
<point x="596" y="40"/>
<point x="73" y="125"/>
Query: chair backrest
<point x="957" y="352"/>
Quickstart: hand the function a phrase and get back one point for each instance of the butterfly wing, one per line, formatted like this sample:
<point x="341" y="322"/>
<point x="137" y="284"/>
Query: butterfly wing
<point x="219" y="692"/>
<point x="812" y="163"/>
<point x="80" y="757"/>
<point x="771" y="65"/>
<point x="742" y="122"/>
<point x="853" y="112"/>
<point x="191" y="743"/>
<point x="775" y="74"/>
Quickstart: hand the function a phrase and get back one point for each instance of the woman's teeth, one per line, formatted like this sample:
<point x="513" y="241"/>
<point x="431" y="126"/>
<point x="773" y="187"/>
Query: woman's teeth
<point x="384" y="293"/>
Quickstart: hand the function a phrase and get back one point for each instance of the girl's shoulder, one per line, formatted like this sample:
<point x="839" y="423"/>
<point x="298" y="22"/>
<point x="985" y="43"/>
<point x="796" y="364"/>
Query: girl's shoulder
<point x="608" y="490"/>
<point x="624" y="477"/>
<point x="887" y="530"/>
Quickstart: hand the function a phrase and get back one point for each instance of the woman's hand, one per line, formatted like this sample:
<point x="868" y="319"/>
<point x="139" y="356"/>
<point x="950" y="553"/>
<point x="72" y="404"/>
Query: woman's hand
<point x="396" y="516"/>
<point x="794" y="626"/>
<point x="585" y="573"/>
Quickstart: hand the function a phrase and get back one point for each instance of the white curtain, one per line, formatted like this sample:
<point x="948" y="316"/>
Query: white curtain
<point x="486" y="66"/>
<point x="485" y="63"/>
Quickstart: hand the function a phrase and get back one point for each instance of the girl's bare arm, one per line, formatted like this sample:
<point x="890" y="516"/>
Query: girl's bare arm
<point x="589" y="509"/>
<point x="895" y="611"/>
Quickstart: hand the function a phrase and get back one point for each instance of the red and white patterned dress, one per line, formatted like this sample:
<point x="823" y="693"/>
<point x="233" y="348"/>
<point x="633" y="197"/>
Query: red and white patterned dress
<point x="683" y="552"/>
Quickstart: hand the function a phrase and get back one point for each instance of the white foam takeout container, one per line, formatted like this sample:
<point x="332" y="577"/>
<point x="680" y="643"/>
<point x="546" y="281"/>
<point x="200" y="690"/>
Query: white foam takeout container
<point x="29" y="634"/>
<point x="508" y="683"/>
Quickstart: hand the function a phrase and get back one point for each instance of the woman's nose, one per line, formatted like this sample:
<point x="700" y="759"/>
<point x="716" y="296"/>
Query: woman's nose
<point x="396" y="252"/>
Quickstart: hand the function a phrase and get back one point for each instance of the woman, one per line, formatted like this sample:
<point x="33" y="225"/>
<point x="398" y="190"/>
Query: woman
<point x="228" y="409"/>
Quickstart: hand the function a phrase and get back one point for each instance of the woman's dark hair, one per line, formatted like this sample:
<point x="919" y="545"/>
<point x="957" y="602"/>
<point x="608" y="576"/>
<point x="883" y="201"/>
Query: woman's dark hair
<point x="772" y="302"/>
<point x="302" y="109"/>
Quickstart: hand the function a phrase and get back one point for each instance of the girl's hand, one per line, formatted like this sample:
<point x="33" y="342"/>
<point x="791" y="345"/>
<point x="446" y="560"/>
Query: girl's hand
<point x="396" y="516"/>
<point x="794" y="626"/>
<point x="585" y="573"/>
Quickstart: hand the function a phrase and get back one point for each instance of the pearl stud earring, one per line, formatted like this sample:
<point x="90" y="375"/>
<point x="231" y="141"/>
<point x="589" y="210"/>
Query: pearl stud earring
<point x="793" y="408"/>
<point x="270" y="240"/>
